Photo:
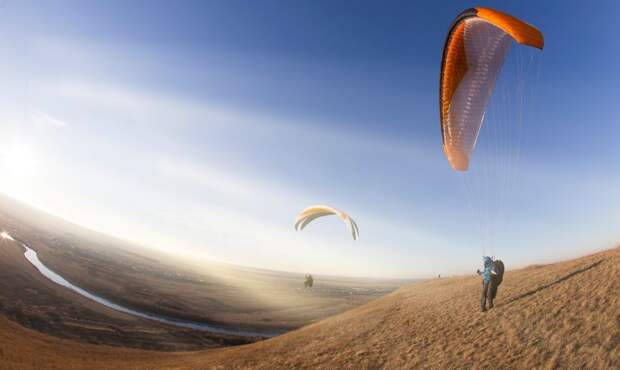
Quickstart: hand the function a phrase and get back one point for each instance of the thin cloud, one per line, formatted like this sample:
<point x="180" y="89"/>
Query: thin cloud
<point x="45" y="119"/>
<point x="209" y="179"/>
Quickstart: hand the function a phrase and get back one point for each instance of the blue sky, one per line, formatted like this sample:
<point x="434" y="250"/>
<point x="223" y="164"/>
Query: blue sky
<point x="202" y="128"/>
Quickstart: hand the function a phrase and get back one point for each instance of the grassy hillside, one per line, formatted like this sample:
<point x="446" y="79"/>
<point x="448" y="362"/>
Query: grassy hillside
<point x="564" y="315"/>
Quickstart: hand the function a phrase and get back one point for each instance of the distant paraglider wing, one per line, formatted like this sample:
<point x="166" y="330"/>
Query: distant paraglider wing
<point x="473" y="55"/>
<point x="312" y="213"/>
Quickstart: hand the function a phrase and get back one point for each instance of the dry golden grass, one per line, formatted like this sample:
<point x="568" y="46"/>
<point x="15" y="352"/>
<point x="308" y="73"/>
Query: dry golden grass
<point x="565" y="315"/>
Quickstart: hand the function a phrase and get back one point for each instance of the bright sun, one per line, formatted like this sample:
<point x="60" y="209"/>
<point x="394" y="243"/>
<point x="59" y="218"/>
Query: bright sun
<point x="18" y="160"/>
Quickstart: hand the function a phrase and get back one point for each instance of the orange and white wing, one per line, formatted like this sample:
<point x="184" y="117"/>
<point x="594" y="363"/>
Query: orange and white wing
<point x="474" y="52"/>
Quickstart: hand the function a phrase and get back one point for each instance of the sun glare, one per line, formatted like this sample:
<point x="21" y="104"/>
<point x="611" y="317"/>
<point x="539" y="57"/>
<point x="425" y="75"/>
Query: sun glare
<point x="18" y="160"/>
<point x="5" y="235"/>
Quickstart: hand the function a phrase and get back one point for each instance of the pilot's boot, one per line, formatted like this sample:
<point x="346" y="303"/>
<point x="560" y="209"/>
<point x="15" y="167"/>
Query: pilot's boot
<point x="483" y="298"/>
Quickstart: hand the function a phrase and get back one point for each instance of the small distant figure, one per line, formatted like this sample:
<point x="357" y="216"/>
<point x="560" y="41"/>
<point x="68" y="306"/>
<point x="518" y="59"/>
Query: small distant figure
<point x="309" y="282"/>
<point x="492" y="276"/>
<point x="439" y="276"/>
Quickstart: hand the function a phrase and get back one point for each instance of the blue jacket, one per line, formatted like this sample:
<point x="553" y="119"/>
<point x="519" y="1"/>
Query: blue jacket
<point x="486" y="271"/>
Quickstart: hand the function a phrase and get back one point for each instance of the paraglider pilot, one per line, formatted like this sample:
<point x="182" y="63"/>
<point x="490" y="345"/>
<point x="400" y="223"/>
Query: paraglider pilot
<point x="309" y="282"/>
<point x="487" y="282"/>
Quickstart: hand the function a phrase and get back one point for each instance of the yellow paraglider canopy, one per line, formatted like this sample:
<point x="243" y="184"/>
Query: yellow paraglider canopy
<point x="311" y="213"/>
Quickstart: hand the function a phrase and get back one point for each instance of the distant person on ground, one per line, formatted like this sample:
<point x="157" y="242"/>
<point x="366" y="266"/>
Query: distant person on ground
<point x="488" y="289"/>
<point x="309" y="282"/>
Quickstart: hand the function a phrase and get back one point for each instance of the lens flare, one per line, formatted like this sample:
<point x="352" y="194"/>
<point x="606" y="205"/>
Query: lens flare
<point x="5" y="235"/>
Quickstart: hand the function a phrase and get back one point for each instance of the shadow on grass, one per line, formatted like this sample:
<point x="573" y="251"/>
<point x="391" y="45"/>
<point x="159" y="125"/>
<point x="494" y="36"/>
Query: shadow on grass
<point x="558" y="281"/>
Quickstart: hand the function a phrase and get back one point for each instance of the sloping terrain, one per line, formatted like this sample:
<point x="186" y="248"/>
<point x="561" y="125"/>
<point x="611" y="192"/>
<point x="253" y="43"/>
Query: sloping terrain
<point x="564" y="315"/>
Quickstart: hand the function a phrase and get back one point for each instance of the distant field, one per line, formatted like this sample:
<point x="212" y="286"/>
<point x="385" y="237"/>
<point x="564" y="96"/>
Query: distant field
<point x="226" y="295"/>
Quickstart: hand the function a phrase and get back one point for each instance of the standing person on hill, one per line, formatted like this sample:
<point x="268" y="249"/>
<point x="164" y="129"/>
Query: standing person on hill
<point x="487" y="289"/>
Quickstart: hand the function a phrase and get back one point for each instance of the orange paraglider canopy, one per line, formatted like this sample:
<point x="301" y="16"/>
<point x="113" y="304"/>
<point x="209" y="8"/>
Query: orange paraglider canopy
<point x="522" y="32"/>
<point x="474" y="52"/>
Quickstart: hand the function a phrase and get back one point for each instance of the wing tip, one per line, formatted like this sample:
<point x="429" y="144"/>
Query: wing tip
<point x="523" y="32"/>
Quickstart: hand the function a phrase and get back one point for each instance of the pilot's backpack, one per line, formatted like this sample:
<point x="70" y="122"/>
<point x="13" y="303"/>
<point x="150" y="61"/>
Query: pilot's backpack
<point x="497" y="275"/>
<point x="498" y="271"/>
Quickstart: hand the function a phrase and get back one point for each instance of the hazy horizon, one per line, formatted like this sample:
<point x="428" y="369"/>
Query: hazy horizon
<point x="202" y="129"/>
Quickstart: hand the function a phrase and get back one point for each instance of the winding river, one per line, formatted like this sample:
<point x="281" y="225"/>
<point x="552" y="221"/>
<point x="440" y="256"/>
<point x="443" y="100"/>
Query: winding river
<point x="33" y="258"/>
